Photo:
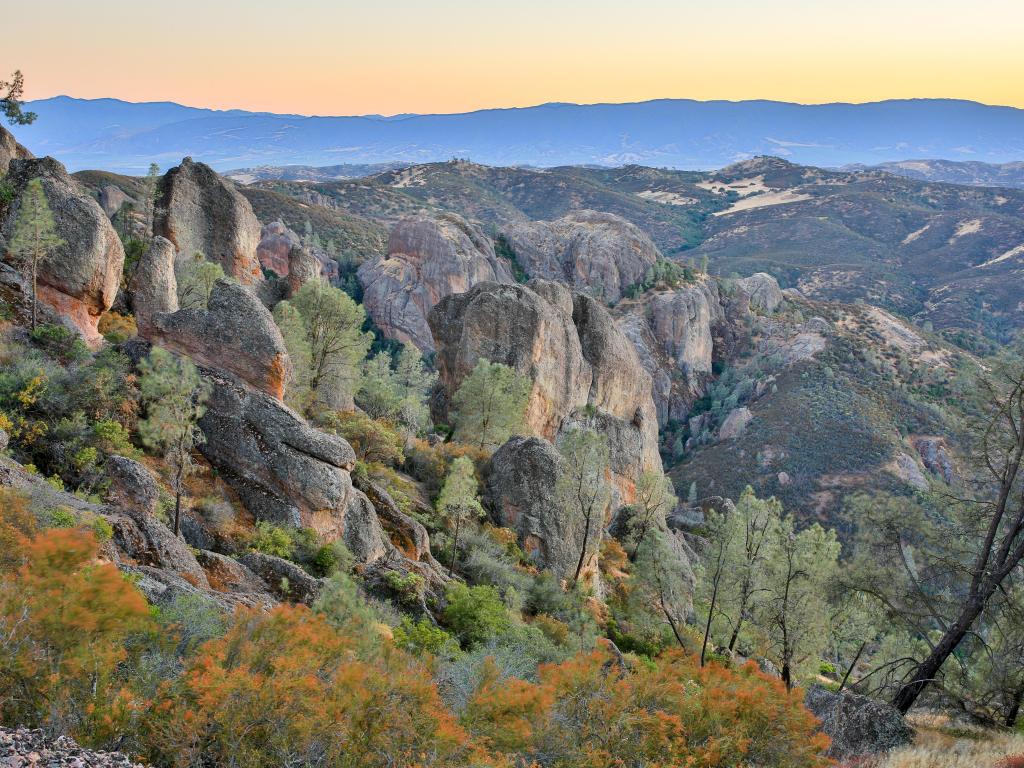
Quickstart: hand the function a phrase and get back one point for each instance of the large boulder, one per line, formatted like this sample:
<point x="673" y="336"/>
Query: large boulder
<point x="599" y="253"/>
<point x="672" y="333"/>
<point x="859" y="726"/>
<point x="79" y="280"/>
<point x="427" y="259"/>
<point x="286" y="580"/>
<point x="132" y="486"/>
<point x="112" y="198"/>
<point x="763" y="290"/>
<point x="275" y="248"/>
<point x="147" y="541"/>
<point x="583" y="370"/>
<point x="282" y="469"/>
<point x="234" y="332"/>
<point x="10" y="149"/>
<point x="199" y="211"/>
<point x="520" y="494"/>
<point x="303" y="266"/>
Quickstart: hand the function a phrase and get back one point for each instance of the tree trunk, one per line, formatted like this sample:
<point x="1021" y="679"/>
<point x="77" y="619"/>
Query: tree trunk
<point x="583" y="550"/>
<point x="35" y="280"/>
<point x="455" y="546"/>
<point x="853" y="664"/>
<point x="787" y="676"/>
<point x="929" y="668"/>
<point x="736" y="633"/>
<point x="1014" y="711"/>
<point x="707" y="627"/>
<point x="177" y="499"/>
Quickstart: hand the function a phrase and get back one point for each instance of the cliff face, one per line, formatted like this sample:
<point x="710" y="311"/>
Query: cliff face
<point x="582" y="368"/>
<point x="80" y="278"/>
<point x="427" y="259"/>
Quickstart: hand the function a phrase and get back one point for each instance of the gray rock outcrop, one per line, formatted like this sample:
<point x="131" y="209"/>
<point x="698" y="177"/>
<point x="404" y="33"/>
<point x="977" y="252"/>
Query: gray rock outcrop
<point x="10" y="149"/>
<point x="79" y="280"/>
<point x="111" y="199"/>
<point x="598" y="253"/>
<point x="427" y="259"/>
<point x="234" y="332"/>
<point x="582" y="368"/>
<point x="24" y="747"/>
<point x="858" y="726"/>
<point x="132" y="486"/>
<point x="763" y="290"/>
<point x="286" y="580"/>
<point x="146" y="541"/>
<point x="199" y="211"/>
<point x="672" y="333"/>
<point x="303" y="266"/>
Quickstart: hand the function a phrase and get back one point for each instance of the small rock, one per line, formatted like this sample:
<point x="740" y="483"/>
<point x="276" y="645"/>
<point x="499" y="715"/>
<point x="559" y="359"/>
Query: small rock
<point x="735" y="423"/>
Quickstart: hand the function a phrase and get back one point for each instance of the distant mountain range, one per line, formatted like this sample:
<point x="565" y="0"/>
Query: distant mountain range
<point x="125" y="137"/>
<point x="971" y="172"/>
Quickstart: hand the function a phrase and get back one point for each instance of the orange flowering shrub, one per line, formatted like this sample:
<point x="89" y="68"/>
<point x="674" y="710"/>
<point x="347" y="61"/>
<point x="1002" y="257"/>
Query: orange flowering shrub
<point x="64" y="620"/>
<point x="286" y="688"/>
<point x="589" y="712"/>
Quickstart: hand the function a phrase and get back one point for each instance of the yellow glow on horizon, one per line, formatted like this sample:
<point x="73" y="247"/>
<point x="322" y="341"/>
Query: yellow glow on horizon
<point x="391" y="56"/>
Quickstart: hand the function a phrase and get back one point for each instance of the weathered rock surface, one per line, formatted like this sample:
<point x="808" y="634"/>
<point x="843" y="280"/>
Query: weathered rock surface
<point x="858" y="726"/>
<point x="581" y="365"/>
<point x="132" y="486"/>
<point x="226" y="574"/>
<point x="283" y="469"/>
<point x="22" y="747"/>
<point x="936" y="457"/>
<point x="302" y="267"/>
<point x="598" y="253"/>
<point x="146" y="541"/>
<point x="274" y="252"/>
<point x="234" y="332"/>
<point x="79" y="281"/>
<point x="763" y="290"/>
<point x="10" y="150"/>
<point x="671" y="331"/>
<point x="286" y="580"/>
<point x="198" y="210"/>
<point x="520" y="494"/>
<point x="427" y="259"/>
<point x="734" y="423"/>
<point x="112" y="198"/>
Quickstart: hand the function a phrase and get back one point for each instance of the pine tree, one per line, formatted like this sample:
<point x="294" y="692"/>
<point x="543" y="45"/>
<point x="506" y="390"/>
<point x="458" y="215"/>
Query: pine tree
<point x="10" y="104"/>
<point x="175" y="395"/>
<point x="293" y="331"/>
<point x="35" y="236"/>
<point x="458" y="501"/>
<point x="490" y="405"/>
<point x="150" y="190"/>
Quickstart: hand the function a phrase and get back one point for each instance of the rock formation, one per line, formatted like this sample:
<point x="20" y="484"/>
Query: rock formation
<point x="859" y="727"/>
<point x="520" y="493"/>
<point x="303" y="266"/>
<point x="10" y="150"/>
<point x="582" y="367"/>
<point x="198" y="210"/>
<point x="132" y="486"/>
<point x="112" y="198"/>
<point x="763" y="290"/>
<point x="275" y="247"/>
<point x="599" y="253"/>
<point x="79" y="281"/>
<point x="427" y="259"/>
<point x="234" y="332"/>
<point x="671" y="331"/>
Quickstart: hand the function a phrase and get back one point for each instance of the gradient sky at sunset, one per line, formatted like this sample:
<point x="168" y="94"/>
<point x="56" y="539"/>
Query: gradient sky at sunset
<point x="388" y="56"/>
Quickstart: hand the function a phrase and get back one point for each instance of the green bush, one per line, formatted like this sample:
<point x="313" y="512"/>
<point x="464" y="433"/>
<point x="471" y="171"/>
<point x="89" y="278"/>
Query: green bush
<point x="272" y="539"/>
<point x="475" y="614"/>
<point x="420" y="637"/>
<point x="60" y="342"/>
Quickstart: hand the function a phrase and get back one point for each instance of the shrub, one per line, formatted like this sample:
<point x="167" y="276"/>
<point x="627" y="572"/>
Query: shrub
<point x="475" y="614"/>
<point x="591" y="711"/>
<point x="286" y="688"/>
<point x="63" y="624"/>
<point x="272" y="539"/>
<point x="117" y="328"/>
<point x="60" y="342"/>
<point x="373" y="441"/>
<point x="420" y="637"/>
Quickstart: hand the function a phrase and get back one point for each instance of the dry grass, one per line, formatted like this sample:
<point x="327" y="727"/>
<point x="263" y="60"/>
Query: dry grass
<point x="943" y="744"/>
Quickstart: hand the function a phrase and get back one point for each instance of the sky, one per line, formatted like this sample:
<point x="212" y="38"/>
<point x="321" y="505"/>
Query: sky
<point x="338" y="57"/>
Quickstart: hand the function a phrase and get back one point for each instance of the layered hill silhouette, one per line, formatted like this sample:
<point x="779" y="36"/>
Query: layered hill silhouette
<point x="121" y="136"/>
